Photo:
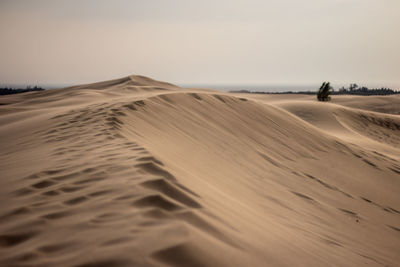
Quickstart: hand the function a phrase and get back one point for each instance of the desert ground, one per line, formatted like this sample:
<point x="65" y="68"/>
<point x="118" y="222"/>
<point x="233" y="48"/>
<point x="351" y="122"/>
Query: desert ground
<point x="137" y="172"/>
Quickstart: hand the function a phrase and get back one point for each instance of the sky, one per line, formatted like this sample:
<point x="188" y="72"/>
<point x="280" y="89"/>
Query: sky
<point x="201" y="42"/>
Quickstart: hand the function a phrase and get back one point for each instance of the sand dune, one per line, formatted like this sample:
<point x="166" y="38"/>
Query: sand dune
<point x="137" y="172"/>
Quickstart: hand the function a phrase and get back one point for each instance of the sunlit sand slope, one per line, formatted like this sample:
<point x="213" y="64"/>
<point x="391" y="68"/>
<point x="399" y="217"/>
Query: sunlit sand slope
<point x="136" y="172"/>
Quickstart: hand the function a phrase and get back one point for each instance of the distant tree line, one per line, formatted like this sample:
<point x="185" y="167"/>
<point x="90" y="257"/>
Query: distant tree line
<point x="10" y="91"/>
<point x="353" y="89"/>
<point x="325" y="90"/>
<point x="273" y="93"/>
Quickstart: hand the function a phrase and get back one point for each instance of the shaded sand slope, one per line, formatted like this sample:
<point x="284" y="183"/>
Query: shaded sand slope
<point x="373" y="130"/>
<point x="385" y="104"/>
<point x="135" y="172"/>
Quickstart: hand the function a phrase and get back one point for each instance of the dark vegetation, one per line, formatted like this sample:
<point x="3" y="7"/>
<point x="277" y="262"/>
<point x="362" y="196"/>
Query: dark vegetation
<point x="353" y="89"/>
<point x="10" y="91"/>
<point x="324" y="92"/>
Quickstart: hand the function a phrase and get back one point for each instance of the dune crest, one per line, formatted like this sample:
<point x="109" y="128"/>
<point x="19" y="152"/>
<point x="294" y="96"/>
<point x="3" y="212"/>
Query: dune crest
<point x="126" y="82"/>
<point x="137" y="172"/>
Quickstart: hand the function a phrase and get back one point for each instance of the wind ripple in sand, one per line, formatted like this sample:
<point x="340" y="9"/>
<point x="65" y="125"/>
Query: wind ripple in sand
<point x="105" y="198"/>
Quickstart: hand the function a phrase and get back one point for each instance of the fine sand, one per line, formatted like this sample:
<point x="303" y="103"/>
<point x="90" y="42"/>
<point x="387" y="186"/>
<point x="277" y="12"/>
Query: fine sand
<point x="136" y="172"/>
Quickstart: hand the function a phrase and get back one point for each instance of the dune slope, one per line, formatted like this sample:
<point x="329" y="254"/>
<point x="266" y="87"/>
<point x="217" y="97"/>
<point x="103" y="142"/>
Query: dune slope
<point x="136" y="172"/>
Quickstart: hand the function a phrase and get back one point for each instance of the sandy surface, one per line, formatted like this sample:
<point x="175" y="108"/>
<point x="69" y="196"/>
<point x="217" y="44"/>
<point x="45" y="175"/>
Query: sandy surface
<point x="135" y="172"/>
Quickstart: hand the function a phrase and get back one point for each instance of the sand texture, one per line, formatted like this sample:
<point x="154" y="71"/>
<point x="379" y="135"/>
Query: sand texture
<point x="136" y="172"/>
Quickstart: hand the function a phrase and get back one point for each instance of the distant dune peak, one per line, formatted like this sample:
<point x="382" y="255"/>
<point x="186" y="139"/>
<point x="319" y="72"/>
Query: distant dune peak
<point x="146" y="81"/>
<point x="127" y="82"/>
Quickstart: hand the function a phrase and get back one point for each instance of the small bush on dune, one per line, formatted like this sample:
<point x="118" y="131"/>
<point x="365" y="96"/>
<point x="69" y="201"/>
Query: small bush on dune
<point x="324" y="92"/>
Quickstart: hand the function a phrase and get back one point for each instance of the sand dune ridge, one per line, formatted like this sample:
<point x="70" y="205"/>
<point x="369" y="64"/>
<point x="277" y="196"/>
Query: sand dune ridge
<point x="136" y="172"/>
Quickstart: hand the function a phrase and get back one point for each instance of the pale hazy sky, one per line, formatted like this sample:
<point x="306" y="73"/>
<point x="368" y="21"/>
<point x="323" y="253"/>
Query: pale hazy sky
<point x="208" y="41"/>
